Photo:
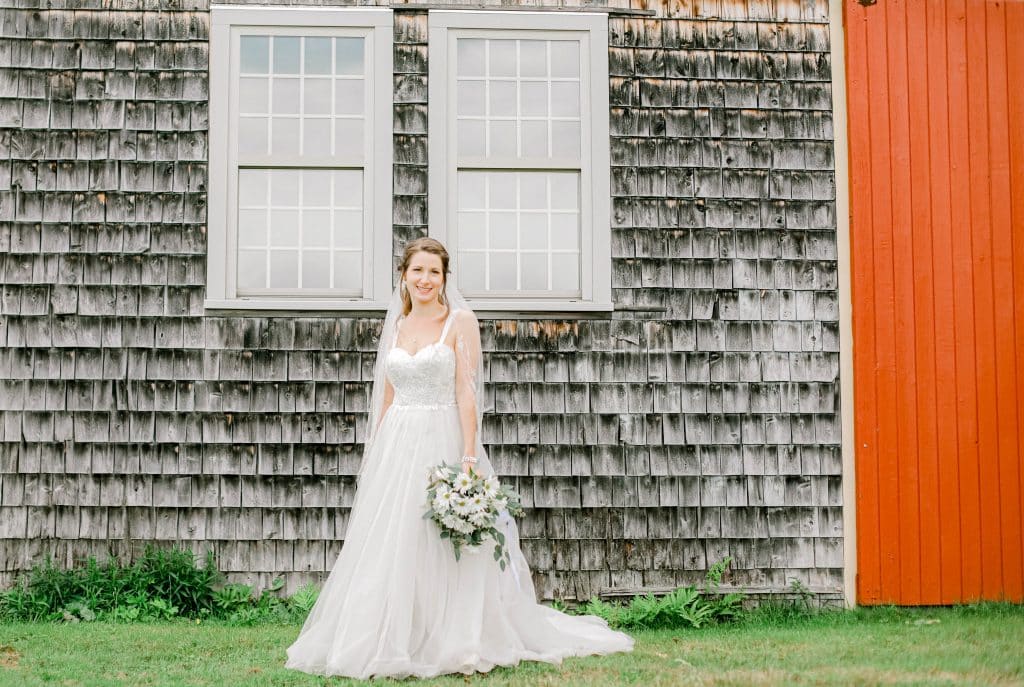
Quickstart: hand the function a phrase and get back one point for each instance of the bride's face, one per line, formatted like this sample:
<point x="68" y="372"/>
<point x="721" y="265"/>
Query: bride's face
<point x="424" y="277"/>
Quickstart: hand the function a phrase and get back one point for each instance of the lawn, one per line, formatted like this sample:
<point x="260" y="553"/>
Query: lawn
<point x="979" y="645"/>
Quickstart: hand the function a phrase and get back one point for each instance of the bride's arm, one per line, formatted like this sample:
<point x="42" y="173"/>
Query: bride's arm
<point x="389" y="396"/>
<point x="467" y="358"/>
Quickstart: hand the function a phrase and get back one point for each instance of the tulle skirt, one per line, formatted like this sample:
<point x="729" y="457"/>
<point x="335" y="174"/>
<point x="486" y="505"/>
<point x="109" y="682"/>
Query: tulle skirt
<point x="398" y="604"/>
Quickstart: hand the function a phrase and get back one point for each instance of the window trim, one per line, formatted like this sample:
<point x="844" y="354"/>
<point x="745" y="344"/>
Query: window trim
<point x="596" y="204"/>
<point x="221" y="292"/>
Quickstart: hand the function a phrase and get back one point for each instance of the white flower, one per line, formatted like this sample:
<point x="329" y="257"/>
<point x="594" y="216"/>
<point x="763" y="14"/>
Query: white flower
<point x="480" y="519"/>
<point x="440" y="474"/>
<point x="463" y="482"/>
<point x="441" y="505"/>
<point x="477" y="503"/>
<point x="460" y="505"/>
<point x="450" y="520"/>
<point x="491" y="486"/>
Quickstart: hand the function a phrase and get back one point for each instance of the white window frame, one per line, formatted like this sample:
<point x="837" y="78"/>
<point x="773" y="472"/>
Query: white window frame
<point x="377" y="24"/>
<point x="595" y="198"/>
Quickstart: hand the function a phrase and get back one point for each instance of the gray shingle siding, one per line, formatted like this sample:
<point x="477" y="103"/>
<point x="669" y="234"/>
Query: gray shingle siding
<point x="701" y="420"/>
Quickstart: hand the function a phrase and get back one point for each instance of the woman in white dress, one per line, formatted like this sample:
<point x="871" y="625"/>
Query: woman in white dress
<point x="397" y="603"/>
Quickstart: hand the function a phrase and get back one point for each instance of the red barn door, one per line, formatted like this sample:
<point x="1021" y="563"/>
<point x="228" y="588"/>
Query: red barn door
<point x="936" y="131"/>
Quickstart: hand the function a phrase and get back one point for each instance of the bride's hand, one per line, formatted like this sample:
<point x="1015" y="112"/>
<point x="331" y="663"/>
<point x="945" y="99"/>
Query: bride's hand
<point x="466" y="465"/>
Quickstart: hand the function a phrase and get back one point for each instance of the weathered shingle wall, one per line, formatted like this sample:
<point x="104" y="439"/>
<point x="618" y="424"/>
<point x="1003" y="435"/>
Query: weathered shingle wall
<point x="700" y="421"/>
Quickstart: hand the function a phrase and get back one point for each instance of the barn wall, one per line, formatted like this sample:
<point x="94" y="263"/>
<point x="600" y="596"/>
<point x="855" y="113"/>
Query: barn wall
<point x="700" y="420"/>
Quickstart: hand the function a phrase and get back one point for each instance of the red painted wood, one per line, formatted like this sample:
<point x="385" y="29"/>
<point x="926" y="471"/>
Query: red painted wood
<point x="937" y="236"/>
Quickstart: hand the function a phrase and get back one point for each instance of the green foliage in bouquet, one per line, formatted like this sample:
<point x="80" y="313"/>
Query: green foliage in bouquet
<point x="466" y="507"/>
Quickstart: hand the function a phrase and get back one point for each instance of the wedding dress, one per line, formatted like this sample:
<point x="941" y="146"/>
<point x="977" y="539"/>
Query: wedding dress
<point x="397" y="603"/>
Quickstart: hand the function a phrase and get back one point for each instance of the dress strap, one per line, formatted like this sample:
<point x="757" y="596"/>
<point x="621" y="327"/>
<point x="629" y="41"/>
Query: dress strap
<point x="398" y="325"/>
<point x="444" y="330"/>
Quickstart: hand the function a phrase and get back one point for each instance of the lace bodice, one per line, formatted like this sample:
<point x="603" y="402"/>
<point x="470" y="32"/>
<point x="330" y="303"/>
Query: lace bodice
<point x="426" y="378"/>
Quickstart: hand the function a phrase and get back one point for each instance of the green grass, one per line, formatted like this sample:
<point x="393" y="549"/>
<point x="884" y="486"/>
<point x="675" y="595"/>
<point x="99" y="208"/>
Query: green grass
<point x="979" y="644"/>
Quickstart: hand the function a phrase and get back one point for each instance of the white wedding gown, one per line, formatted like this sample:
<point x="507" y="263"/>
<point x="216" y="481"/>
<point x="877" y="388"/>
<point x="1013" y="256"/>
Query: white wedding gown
<point x="397" y="603"/>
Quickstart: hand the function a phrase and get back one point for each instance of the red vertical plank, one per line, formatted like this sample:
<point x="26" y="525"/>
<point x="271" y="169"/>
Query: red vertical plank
<point x="1015" y="77"/>
<point x="980" y="229"/>
<point x="1008" y="485"/>
<point x="862" y="283"/>
<point x="904" y="448"/>
<point x="919" y="268"/>
<point x="947" y="506"/>
<point x="879" y="147"/>
<point x="963" y="304"/>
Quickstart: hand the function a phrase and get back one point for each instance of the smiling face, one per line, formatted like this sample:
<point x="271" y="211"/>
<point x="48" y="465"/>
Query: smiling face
<point x="424" y="277"/>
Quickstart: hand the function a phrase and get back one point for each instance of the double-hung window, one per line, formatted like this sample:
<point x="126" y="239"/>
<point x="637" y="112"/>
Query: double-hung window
<point x="519" y="169"/>
<point x="300" y="158"/>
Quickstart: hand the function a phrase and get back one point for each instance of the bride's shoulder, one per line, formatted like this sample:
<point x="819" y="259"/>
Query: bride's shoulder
<point x="464" y="318"/>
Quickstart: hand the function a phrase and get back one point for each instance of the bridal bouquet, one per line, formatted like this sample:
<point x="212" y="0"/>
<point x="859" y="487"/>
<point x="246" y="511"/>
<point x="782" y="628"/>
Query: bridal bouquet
<point x="466" y="505"/>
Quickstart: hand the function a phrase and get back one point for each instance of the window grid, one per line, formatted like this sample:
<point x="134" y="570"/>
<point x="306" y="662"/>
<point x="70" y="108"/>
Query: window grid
<point x="488" y="79"/>
<point x="548" y="213"/>
<point x="332" y="79"/>
<point x="269" y="246"/>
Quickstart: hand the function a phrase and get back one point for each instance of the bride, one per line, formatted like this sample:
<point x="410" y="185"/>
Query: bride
<point x="397" y="603"/>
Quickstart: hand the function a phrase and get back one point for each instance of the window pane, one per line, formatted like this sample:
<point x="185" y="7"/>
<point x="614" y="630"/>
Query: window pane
<point x="317" y="136"/>
<point x="252" y="269"/>
<point x="316" y="188"/>
<point x="284" y="269"/>
<point x="533" y="99"/>
<point x="533" y="271"/>
<point x="471" y="138"/>
<point x="565" y="231"/>
<point x="253" y="95"/>
<point x="501" y="187"/>
<point x="535" y="138"/>
<point x="502" y="56"/>
<point x="255" y="54"/>
<point x="471" y="271"/>
<point x="503" y="98"/>
<point x="252" y="187"/>
<point x="348" y="188"/>
<point x="316" y="229"/>
<point x="565" y="191"/>
<point x="502" y="271"/>
<point x="471" y="98"/>
<point x="286" y="54"/>
<point x="565" y="59"/>
<point x="565" y="139"/>
<point x="284" y="136"/>
<point x="318" y="55"/>
<point x="348" y="271"/>
<point x="470" y="58"/>
<point x="533" y="231"/>
<point x="533" y="58"/>
<point x="502" y="231"/>
<point x="284" y="187"/>
<point x="533" y="191"/>
<point x="348" y="96"/>
<point x="565" y="271"/>
<point x="348" y="229"/>
<point x="316" y="269"/>
<point x="252" y="135"/>
<point x="284" y="228"/>
<point x="348" y="138"/>
<point x="252" y="228"/>
<point x="565" y="98"/>
<point x="317" y="96"/>
<point x="471" y="190"/>
<point x="286" y="96"/>
<point x="349" y="55"/>
<point x="503" y="139"/>
<point x="471" y="230"/>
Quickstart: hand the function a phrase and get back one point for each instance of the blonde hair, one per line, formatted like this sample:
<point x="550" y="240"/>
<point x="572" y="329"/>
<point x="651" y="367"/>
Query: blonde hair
<point x="423" y="245"/>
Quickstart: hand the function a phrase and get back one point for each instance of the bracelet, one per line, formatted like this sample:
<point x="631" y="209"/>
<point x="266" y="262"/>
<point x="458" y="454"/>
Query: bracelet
<point x="469" y="459"/>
